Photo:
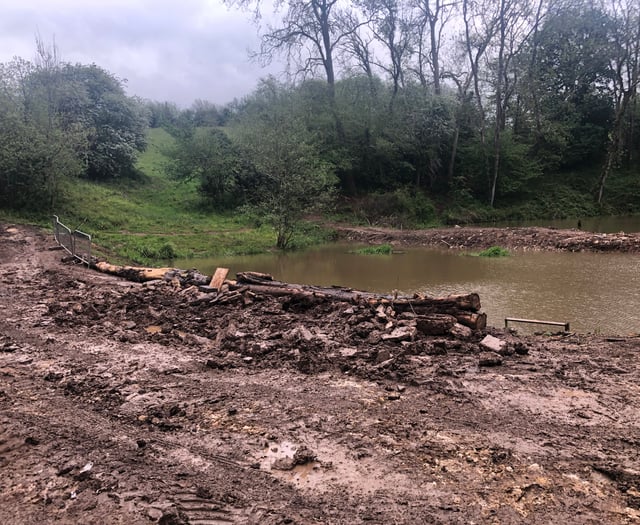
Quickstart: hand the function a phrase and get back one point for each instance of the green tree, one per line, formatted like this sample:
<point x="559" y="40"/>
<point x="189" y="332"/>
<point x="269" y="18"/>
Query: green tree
<point x="116" y="123"/>
<point x="208" y="156"/>
<point x="39" y="149"/>
<point x="295" y="179"/>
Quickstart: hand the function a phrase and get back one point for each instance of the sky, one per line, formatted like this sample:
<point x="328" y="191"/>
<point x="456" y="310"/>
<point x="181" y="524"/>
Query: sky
<point x="167" y="50"/>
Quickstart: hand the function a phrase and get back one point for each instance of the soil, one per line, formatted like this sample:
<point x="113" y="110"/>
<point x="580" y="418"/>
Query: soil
<point x="534" y="238"/>
<point x="143" y="403"/>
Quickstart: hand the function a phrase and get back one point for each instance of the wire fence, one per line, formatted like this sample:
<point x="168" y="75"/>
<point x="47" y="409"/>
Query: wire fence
<point x="77" y="243"/>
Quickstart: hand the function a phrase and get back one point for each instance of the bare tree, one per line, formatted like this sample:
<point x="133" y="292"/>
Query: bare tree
<point x="432" y="17"/>
<point x="625" y="77"/>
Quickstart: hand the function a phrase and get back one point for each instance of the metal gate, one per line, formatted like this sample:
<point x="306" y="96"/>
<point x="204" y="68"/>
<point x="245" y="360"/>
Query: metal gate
<point x="77" y="243"/>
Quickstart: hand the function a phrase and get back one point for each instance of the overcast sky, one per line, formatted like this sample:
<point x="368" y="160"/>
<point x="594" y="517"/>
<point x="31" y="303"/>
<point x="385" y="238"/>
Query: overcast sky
<point x="176" y="50"/>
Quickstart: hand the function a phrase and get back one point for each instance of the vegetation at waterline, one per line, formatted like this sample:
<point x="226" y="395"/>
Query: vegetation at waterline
<point x="523" y="109"/>
<point x="493" y="251"/>
<point x="382" y="249"/>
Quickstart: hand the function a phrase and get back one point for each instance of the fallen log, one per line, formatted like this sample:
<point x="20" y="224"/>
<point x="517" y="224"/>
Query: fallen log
<point x="435" y="324"/>
<point x="141" y="274"/>
<point x="264" y="283"/>
<point x="463" y="309"/>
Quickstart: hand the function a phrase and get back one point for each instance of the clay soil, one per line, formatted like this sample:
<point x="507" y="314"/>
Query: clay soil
<point x="142" y="403"/>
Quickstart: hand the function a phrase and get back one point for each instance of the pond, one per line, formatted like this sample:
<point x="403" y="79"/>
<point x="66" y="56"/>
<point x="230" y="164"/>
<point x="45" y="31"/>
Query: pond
<point x="597" y="293"/>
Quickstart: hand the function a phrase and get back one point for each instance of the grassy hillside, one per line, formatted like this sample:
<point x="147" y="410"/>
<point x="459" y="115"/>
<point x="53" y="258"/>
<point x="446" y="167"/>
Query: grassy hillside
<point x="156" y="218"/>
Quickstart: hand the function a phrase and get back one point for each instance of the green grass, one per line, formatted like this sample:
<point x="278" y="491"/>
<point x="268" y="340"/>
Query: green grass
<point x="382" y="249"/>
<point x="155" y="218"/>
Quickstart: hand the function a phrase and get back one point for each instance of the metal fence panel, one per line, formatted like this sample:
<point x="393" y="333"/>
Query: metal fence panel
<point x="63" y="235"/>
<point x="77" y="243"/>
<point x="82" y="246"/>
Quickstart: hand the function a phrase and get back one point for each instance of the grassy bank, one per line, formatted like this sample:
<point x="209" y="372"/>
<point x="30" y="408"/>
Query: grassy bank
<point x="155" y="218"/>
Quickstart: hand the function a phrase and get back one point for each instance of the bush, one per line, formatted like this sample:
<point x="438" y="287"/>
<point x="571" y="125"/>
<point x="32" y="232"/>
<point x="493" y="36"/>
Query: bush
<point x="383" y="249"/>
<point x="494" y="251"/>
<point x="403" y="207"/>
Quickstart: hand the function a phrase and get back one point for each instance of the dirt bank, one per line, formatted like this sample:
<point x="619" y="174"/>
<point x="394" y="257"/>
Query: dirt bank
<point x="131" y="403"/>
<point x="513" y="238"/>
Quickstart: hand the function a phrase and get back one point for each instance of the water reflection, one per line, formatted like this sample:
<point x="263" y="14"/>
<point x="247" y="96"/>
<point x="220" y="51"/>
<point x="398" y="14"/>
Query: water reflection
<point x="594" y="292"/>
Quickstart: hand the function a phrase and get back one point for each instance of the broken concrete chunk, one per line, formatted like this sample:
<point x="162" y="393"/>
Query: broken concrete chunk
<point x="493" y="344"/>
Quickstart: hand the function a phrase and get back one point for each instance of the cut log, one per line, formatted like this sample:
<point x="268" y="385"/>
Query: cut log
<point x="435" y="324"/>
<point x="474" y="320"/>
<point x="141" y="274"/>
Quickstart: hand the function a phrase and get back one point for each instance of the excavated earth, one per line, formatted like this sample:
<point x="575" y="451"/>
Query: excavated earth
<point x="146" y="403"/>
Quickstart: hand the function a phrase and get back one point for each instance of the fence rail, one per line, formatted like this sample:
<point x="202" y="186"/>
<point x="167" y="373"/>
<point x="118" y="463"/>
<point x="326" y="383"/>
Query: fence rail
<point x="507" y="320"/>
<point x="77" y="243"/>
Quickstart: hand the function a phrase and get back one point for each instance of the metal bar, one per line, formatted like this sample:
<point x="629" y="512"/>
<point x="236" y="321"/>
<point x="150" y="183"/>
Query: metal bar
<point x="535" y="321"/>
<point x="82" y="246"/>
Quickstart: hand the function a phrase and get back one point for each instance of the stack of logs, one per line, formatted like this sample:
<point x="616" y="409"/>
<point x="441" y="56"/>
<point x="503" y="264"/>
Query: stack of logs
<point x="435" y="314"/>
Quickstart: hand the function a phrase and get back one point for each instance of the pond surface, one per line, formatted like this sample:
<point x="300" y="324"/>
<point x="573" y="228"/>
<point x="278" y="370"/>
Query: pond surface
<point x="594" y="292"/>
<point x="612" y="224"/>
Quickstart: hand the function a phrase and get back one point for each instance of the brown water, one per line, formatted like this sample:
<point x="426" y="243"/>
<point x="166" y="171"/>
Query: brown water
<point x="594" y="292"/>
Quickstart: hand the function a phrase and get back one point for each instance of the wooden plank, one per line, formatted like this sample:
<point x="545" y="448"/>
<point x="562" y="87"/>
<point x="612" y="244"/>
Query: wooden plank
<point x="218" y="278"/>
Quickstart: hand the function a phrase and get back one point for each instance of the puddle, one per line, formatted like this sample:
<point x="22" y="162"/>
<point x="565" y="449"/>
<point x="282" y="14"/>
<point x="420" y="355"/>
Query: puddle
<point x="334" y="468"/>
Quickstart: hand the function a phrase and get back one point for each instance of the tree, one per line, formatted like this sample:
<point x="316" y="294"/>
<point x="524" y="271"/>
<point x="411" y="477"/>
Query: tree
<point x="208" y="156"/>
<point x="117" y="123"/>
<point x="39" y="147"/>
<point x="296" y="181"/>
<point x="431" y="19"/>
<point x="625" y="79"/>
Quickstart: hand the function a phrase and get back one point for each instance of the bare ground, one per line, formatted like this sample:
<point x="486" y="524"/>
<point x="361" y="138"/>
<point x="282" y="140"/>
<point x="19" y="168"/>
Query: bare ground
<point x="533" y="238"/>
<point x="129" y="403"/>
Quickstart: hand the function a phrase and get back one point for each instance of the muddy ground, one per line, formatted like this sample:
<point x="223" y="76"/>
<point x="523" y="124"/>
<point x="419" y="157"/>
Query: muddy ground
<point x="140" y="403"/>
<point x="532" y="238"/>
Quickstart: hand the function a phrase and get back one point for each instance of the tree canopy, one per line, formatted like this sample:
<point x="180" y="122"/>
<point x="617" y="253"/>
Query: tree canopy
<point x="59" y="121"/>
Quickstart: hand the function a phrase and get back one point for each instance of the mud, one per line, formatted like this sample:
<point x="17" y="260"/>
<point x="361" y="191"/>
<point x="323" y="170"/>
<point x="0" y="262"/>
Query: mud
<point x="534" y="238"/>
<point x="132" y="403"/>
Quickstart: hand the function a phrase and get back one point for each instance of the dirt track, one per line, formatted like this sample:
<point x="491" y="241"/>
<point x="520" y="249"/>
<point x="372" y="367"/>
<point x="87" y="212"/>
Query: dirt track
<point x="128" y="403"/>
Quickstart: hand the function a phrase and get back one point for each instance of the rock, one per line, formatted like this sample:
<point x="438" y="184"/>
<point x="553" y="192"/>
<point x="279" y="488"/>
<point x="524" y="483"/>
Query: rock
<point x="520" y="348"/>
<point x="85" y="472"/>
<point x="154" y="514"/>
<point x="348" y="352"/>
<point x="402" y="333"/>
<point x="383" y="355"/>
<point x="303" y="456"/>
<point x="459" y="331"/>
<point x="283" y="464"/>
<point x="374" y="337"/>
<point x="489" y="359"/>
<point x="493" y="344"/>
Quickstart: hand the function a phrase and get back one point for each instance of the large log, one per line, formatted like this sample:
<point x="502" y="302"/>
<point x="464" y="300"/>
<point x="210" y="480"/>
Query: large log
<point x="142" y="274"/>
<point x="264" y="283"/>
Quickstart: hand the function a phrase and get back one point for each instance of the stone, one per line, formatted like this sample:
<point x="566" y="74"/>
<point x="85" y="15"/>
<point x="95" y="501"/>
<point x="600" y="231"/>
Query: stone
<point x="493" y="344"/>
<point x="460" y="331"/>
<point x="489" y="359"/>
<point x="383" y="355"/>
<point x="401" y="333"/>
